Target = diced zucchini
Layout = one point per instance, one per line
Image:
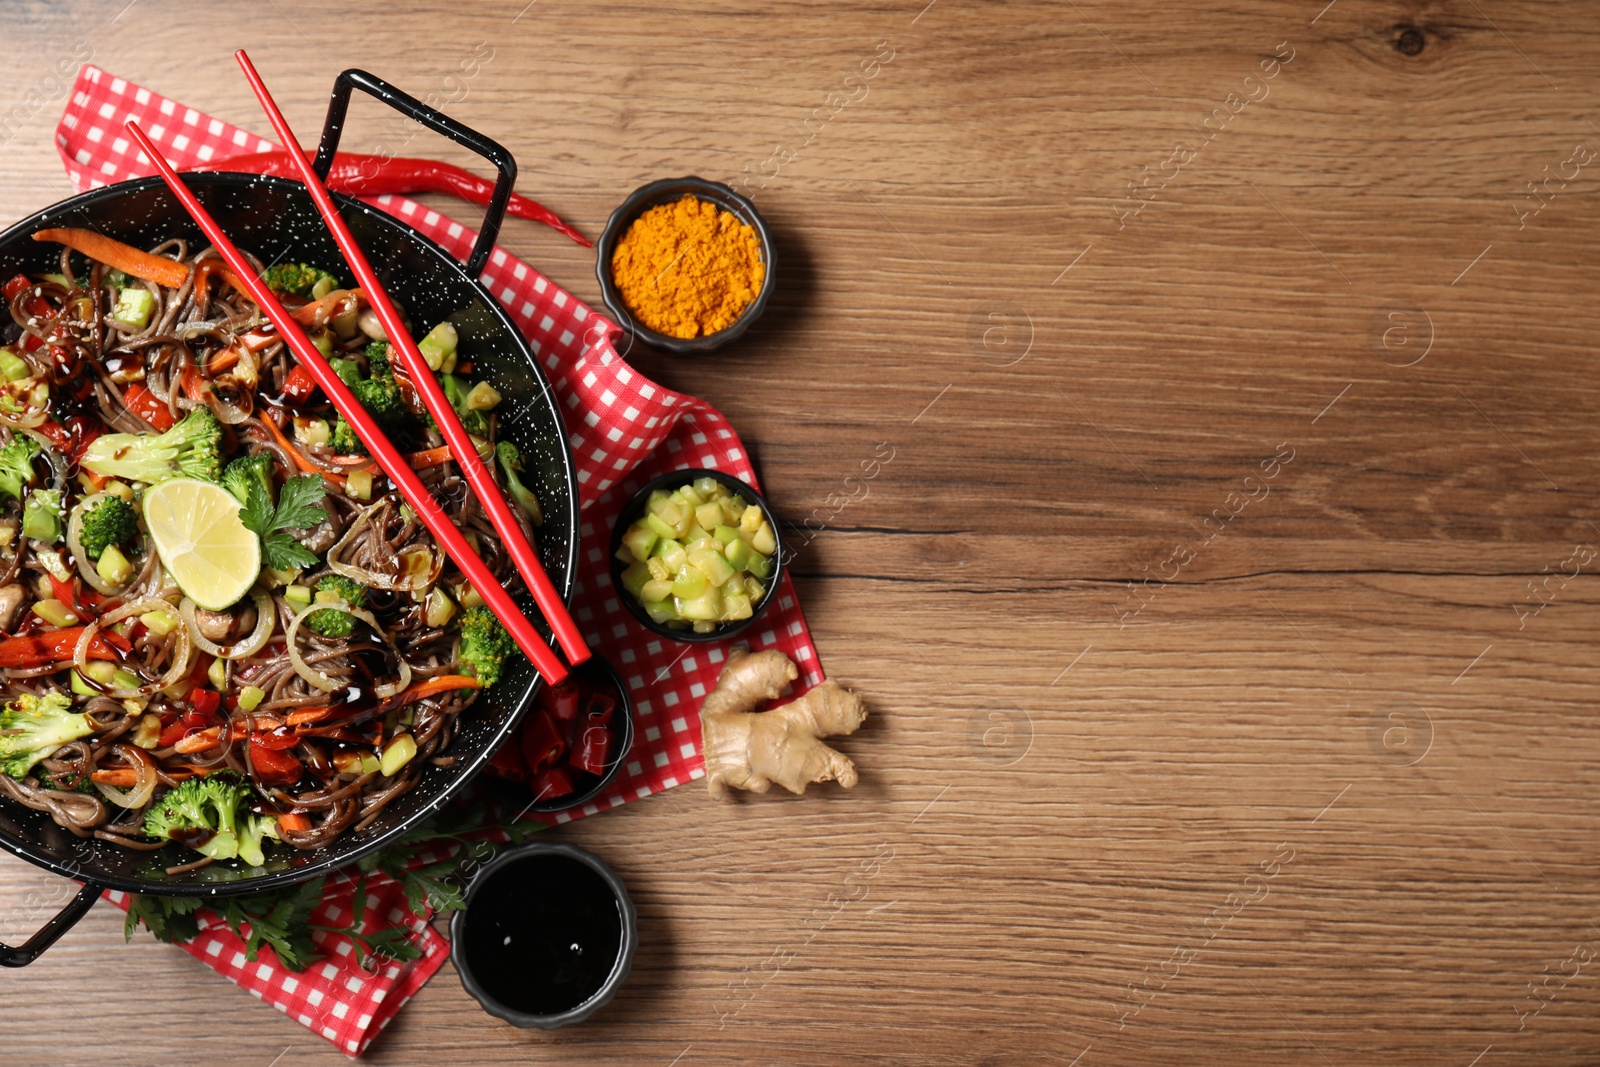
(640, 540)
(217, 674)
(113, 566)
(250, 696)
(732, 510)
(754, 589)
(634, 577)
(55, 613)
(706, 607)
(736, 607)
(440, 342)
(750, 519)
(738, 554)
(660, 527)
(658, 568)
(160, 623)
(659, 610)
(298, 594)
(134, 307)
(687, 494)
(13, 367)
(726, 534)
(323, 342)
(690, 583)
(673, 555)
(759, 565)
(397, 753)
(709, 516)
(713, 563)
(709, 488)
(655, 589)
(764, 541)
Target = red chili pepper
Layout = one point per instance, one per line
(172, 733)
(599, 709)
(270, 765)
(37, 650)
(15, 285)
(299, 385)
(593, 750)
(145, 404)
(507, 764)
(366, 175)
(560, 702)
(542, 744)
(36, 306)
(552, 783)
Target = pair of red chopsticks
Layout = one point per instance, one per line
(389, 458)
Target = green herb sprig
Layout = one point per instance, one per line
(299, 507)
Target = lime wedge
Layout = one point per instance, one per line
(201, 540)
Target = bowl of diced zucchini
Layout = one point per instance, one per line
(696, 555)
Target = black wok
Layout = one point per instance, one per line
(276, 220)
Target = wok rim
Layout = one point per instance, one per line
(345, 851)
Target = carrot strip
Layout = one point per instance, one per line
(126, 258)
(128, 777)
(429, 457)
(294, 820)
(300, 460)
(301, 716)
(431, 686)
(199, 742)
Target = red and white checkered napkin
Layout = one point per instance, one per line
(624, 430)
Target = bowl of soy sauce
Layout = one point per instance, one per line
(547, 935)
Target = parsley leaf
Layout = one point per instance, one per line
(282, 552)
(300, 503)
(299, 507)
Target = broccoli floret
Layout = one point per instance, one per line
(485, 645)
(378, 360)
(188, 450)
(211, 803)
(252, 828)
(344, 440)
(248, 471)
(41, 516)
(511, 466)
(110, 522)
(456, 390)
(297, 278)
(32, 727)
(16, 466)
(337, 623)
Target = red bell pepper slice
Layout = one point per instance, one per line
(203, 704)
(551, 784)
(271, 765)
(299, 385)
(55, 646)
(145, 404)
(592, 753)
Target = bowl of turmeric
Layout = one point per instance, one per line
(686, 264)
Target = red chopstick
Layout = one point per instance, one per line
(389, 458)
(466, 455)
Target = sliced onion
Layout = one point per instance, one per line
(144, 786)
(327, 684)
(266, 613)
(180, 661)
(371, 578)
(52, 454)
(23, 421)
(230, 411)
(86, 567)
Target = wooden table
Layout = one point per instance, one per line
(1226, 609)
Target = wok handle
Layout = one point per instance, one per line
(60, 923)
(438, 122)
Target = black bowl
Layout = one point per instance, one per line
(635, 510)
(666, 191)
(595, 672)
(495, 906)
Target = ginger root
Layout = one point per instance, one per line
(750, 750)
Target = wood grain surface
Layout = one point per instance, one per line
(1227, 609)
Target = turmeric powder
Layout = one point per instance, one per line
(687, 269)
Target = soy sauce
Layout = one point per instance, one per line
(543, 934)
